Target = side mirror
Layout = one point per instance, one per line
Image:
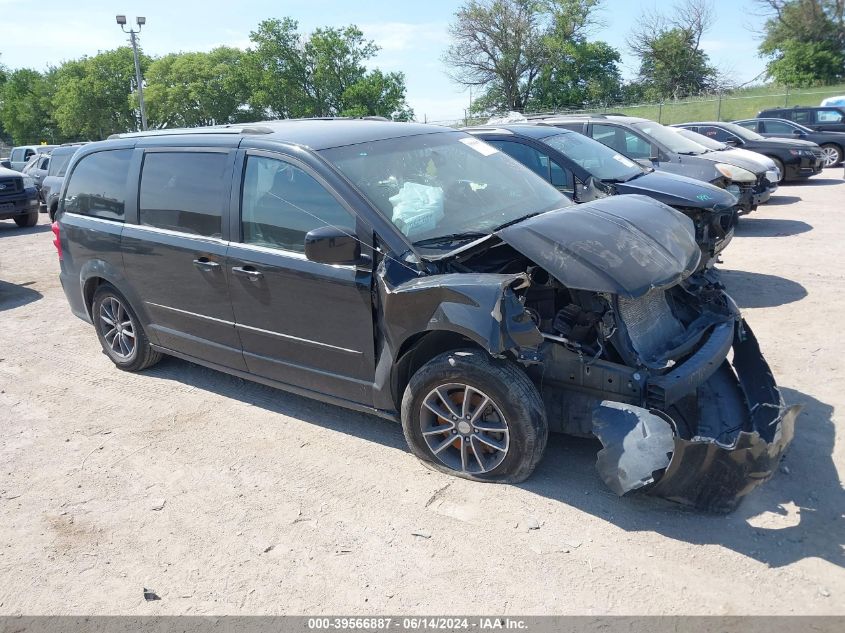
(655, 154)
(6, 163)
(330, 245)
(731, 142)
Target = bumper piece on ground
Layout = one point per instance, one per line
(739, 431)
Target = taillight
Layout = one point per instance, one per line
(57, 241)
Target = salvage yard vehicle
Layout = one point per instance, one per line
(584, 169)
(737, 155)
(18, 198)
(21, 155)
(417, 273)
(832, 143)
(655, 145)
(820, 118)
(51, 186)
(796, 159)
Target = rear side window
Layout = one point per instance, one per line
(718, 134)
(800, 116)
(97, 185)
(59, 163)
(184, 191)
(777, 127)
(828, 116)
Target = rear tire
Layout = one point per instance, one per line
(832, 155)
(120, 331)
(28, 220)
(500, 436)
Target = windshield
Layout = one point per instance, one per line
(598, 159)
(741, 132)
(445, 185)
(675, 142)
(705, 141)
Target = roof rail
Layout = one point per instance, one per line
(230, 128)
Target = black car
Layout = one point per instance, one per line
(819, 118)
(832, 143)
(796, 159)
(419, 274)
(18, 198)
(654, 145)
(584, 169)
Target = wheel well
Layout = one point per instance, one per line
(88, 290)
(417, 351)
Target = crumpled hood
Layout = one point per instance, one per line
(678, 191)
(624, 245)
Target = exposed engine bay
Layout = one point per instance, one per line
(649, 376)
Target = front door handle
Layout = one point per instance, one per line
(248, 271)
(204, 263)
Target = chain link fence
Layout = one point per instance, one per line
(725, 106)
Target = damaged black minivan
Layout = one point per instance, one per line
(418, 273)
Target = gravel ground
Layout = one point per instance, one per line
(224, 496)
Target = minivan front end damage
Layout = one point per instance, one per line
(712, 446)
(625, 341)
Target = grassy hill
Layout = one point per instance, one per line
(740, 104)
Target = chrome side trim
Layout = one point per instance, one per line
(193, 314)
(296, 338)
(256, 329)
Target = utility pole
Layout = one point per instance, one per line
(141, 21)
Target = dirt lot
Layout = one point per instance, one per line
(224, 496)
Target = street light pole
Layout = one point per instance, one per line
(121, 20)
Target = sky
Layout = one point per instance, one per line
(412, 35)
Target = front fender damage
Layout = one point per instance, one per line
(482, 307)
(742, 429)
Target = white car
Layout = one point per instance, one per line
(833, 101)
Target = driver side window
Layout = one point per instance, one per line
(280, 203)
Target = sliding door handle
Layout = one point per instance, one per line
(203, 263)
(249, 272)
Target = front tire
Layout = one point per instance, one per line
(28, 220)
(467, 414)
(779, 164)
(832, 155)
(120, 331)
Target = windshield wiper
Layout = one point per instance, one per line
(517, 220)
(451, 238)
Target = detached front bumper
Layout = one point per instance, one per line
(708, 449)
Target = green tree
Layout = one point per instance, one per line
(323, 74)
(193, 89)
(804, 41)
(583, 74)
(25, 106)
(530, 54)
(94, 98)
(672, 63)
(377, 94)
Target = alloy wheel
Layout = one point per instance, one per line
(464, 428)
(118, 329)
(831, 156)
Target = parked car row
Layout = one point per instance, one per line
(481, 287)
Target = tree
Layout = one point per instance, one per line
(804, 41)
(93, 96)
(499, 45)
(583, 74)
(672, 63)
(323, 74)
(530, 53)
(377, 94)
(193, 89)
(25, 106)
